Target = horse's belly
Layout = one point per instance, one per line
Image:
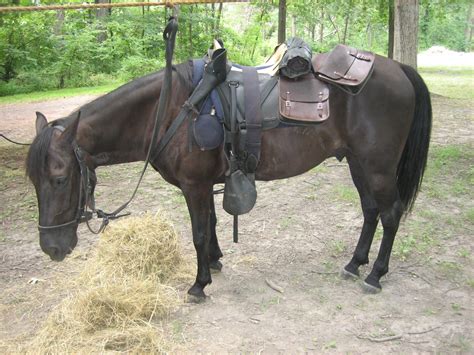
(291, 151)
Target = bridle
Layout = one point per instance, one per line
(87, 184)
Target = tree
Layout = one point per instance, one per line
(101, 15)
(282, 21)
(404, 31)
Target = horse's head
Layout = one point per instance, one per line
(55, 169)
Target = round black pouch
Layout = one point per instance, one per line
(208, 132)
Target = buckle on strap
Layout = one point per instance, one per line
(190, 107)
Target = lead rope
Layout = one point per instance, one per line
(169, 36)
(12, 141)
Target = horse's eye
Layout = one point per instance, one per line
(60, 181)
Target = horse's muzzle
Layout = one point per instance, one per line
(57, 250)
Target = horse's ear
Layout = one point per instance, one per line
(69, 133)
(41, 122)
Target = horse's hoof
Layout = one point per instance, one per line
(195, 299)
(369, 289)
(196, 294)
(347, 275)
(215, 266)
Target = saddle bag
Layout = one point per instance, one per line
(304, 100)
(297, 59)
(347, 67)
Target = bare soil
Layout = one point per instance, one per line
(298, 237)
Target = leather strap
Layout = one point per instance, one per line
(253, 116)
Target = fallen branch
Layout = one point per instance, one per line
(381, 340)
(274, 286)
(424, 331)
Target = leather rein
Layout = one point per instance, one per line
(88, 177)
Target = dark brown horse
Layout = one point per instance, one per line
(383, 133)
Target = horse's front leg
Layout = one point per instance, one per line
(198, 198)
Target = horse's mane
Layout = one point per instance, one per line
(184, 73)
(37, 155)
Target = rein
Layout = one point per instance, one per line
(88, 177)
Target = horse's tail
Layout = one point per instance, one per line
(412, 164)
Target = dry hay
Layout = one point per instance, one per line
(126, 289)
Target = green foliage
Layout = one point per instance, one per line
(48, 50)
(445, 22)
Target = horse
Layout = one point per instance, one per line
(383, 132)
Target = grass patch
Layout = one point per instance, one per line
(56, 94)
(442, 157)
(455, 83)
(346, 193)
(469, 215)
(449, 172)
(420, 239)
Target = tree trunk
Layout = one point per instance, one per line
(58, 25)
(100, 15)
(346, 22)
(390, 29)
(293, 26)
(282, 21)
(405, 34)
(368, 32)
(321, 26)
(469, 28)
(190, 29)
(218, 21)
(256, 37)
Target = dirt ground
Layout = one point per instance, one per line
(298, 236)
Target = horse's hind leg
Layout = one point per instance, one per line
(198, 198)
(371, 219)
(215, 252)
(385, 192)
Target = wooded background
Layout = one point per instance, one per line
(57, 49)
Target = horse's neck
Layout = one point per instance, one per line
(117, 133)
(118, 127)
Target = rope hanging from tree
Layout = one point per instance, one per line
(101, 6)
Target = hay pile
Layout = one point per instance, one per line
(124, 291)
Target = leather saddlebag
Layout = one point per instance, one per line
(304, 100)
(345, 66)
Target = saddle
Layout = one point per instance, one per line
(251, 99)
